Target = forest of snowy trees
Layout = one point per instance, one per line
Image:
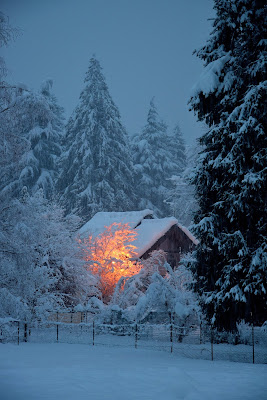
(56, 174)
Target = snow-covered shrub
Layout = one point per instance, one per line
(129, 290)
(156, 292)
(40, 265)
(8, 330)
(244, 332)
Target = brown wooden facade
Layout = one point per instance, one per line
(175, 242)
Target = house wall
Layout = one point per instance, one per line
(175, 242)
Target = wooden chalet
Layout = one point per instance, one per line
(152, 233)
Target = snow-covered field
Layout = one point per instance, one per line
(78, 372)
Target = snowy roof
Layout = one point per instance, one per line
(150, 231)
(100, 220)
(188, 234)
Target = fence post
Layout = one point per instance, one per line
(18, 332)
(136, 333)
(211, 341)
(171, 335)
(93, 333)
(25, 332)
(253, 345)
(171, 339)
(57, 326)
(81, 320)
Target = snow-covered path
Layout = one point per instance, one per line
(79, 372)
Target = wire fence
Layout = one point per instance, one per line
(199, 342)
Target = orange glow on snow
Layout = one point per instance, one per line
(109, 256)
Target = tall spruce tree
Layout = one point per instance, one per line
(178, 191)
(177, 149)
(231, 187)
(154, 164)
(46, 138)
(31, 126)
(182, 196)
(35, 120)
(12, 146)
(97, 172)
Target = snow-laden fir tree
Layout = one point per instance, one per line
(35, 120)
(178, 149)
(7, 33)
(182, 199)
(43, 126)
(154, 164)
(97, 172)
(180, 193)
(12, 145)
(231, 187)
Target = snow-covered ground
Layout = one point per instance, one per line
(78, 372)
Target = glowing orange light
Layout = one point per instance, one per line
(110, 256)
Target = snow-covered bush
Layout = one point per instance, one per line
(244, 331)
(40, 265)
(156, 292)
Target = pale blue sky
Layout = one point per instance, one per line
(144, 46)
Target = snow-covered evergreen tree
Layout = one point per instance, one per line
(231, 187)
(178, 149)
(182, 199)
(12, 145)
(42, 124)
(36, 121)
(153, 163)
(97, 172)
(7, 33)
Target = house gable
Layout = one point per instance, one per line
(174, 243)
(150, 231)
